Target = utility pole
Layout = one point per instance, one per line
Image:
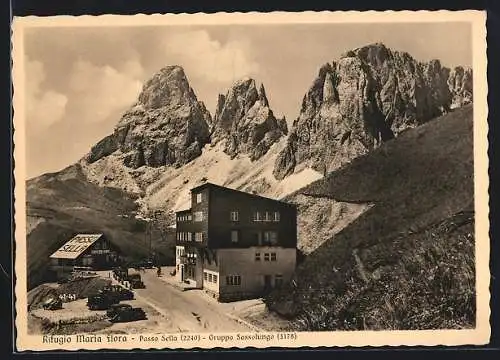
(150, 242)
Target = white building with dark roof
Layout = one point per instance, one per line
(86, 250)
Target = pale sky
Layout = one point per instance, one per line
(80, 80)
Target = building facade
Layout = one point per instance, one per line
(84, 250)
(235, 245)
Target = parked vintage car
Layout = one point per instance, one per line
(118, 292)
(136, 281)
(147, 264)
(52, 304)
(126, 314)
(101, 301)
(115, 308)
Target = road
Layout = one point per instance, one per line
(188, 311)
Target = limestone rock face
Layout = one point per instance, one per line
(460, 84)
(244, 121)
(368, 96)
(167, 125)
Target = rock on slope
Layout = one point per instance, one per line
(244, 121)
(368, 96)
(167, 125)
(407, 262)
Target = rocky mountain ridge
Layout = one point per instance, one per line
(169, 126)
(244, 120)
(158, 150)
(370, 95)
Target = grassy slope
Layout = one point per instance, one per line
(69, 204)
(405, 263)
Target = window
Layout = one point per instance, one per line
(190, 236)
(198, 216)
(257, 256)
(199, 198)
(209, 277)
(271, 237)
(234, 216)
(273, 256)
(259, 238)
(266, 257)
(278, 280)
(234, 236)
(268, 216)
(189, 217)
(276, 216)
(257, 216)
(233, 280)
(198, 236)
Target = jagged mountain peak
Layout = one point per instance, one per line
(262, 95)
(169, 87)
(244, 121)
(166, 126)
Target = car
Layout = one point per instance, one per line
(115, 308)
(118, 292)
(143, 264)
(136, 281)
(52, 304)
(101, 301)
(126, 314)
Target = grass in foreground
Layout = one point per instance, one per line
(405, 263)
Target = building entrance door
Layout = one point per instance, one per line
(267, 283)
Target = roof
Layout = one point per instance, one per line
(76, 246)
(207, 184)
(183, 211)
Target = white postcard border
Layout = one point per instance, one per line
(479, 335)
